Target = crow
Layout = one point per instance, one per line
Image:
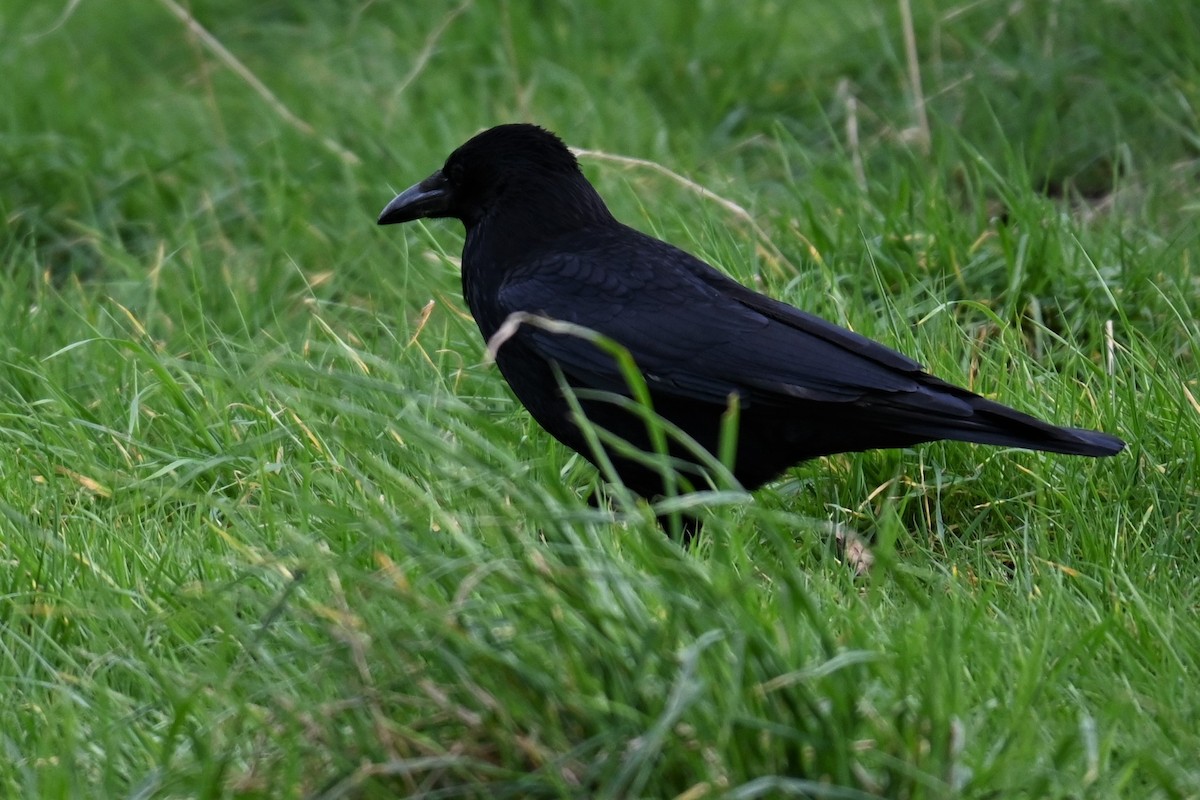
(540, 242)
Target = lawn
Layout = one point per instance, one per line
(271, 525)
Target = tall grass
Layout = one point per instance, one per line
(273, 526)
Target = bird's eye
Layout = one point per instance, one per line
(455, 174)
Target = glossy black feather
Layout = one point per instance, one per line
(540, 240)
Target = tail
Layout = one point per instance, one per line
(981, 421)
(998, 424)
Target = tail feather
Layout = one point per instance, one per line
(990, 422)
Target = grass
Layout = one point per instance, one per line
(272, 526)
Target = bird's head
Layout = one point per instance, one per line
(508, 166)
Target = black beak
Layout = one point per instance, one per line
(429, 198)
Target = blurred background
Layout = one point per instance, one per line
(292, 122)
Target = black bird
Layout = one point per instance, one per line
(540, 240)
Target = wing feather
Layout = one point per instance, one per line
(716, 337)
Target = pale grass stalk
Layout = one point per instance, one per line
(914, 74)
(704, 192)
(242, 71)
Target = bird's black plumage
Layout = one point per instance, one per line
(540, 240)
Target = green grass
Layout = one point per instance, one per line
(270, 525)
